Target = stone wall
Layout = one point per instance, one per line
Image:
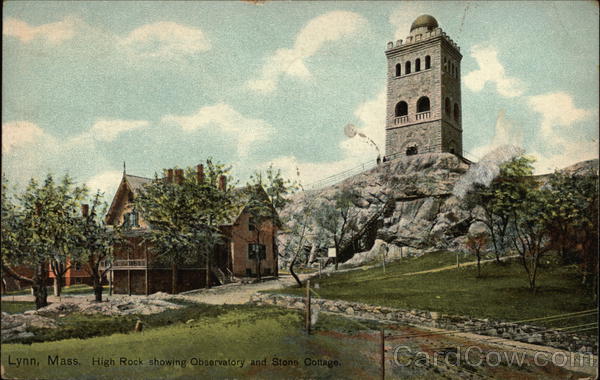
(508, 330)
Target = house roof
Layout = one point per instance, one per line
(136, 183)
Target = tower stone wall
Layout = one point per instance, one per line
(434, 73)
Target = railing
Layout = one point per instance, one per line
(120, 264)
(341, 175)
(401, 119)
(423, 115)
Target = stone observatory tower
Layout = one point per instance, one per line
(423, 92)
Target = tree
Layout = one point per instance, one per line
(61, 205)
(185, 215)
(267, 196)
(337, 217)
(497, 202)
(298, 228)
(38, 231)
(527, 206)
(96, 243)
(573, 222)
(476, 244)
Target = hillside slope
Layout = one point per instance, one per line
(407, 202)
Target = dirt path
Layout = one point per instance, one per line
(238, 293)
(467, 264)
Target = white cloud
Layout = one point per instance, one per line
(325, 28)
(371, 116)
(560, 143)
(245, 130)
(557, 110)
(107, 182)
(404, 15)
(108, 130)
(355, 151)
(54, 33)
(165, 40)
(505, 133)
(491, 70)
(19, 134)
(572, 152)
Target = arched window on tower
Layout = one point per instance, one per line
(427, 62)
(447, 106)
(398, 69)
(401, 109)
(423, 104)
(417, 64)
(456, 112)
(407, 68)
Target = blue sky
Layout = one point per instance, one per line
(88, 85)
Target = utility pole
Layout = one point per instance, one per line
(382, 354)
(308, 307)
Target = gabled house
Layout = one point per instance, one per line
(137, 269)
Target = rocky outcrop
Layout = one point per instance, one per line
(16, 326)
(115, 306)
(409, 202)
(406, 202)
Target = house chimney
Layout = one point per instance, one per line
(222, 182)
(179, 176)
(200, 173)
(85, 210)
(169, 175)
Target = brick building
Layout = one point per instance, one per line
(76, 273)
(423, 110)
(137, 270)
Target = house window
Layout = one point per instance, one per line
(257, 250)
(251, 224)
(447, 106)
(130, 219)
(417, 64)
(427, 62)
(398, 69)
(407, 68)
(401, 109)
(411, 151)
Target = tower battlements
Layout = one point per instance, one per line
(438, 32)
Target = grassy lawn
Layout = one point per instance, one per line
(17, 307)
(83, 326)
(501, 293)
(237, 333)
